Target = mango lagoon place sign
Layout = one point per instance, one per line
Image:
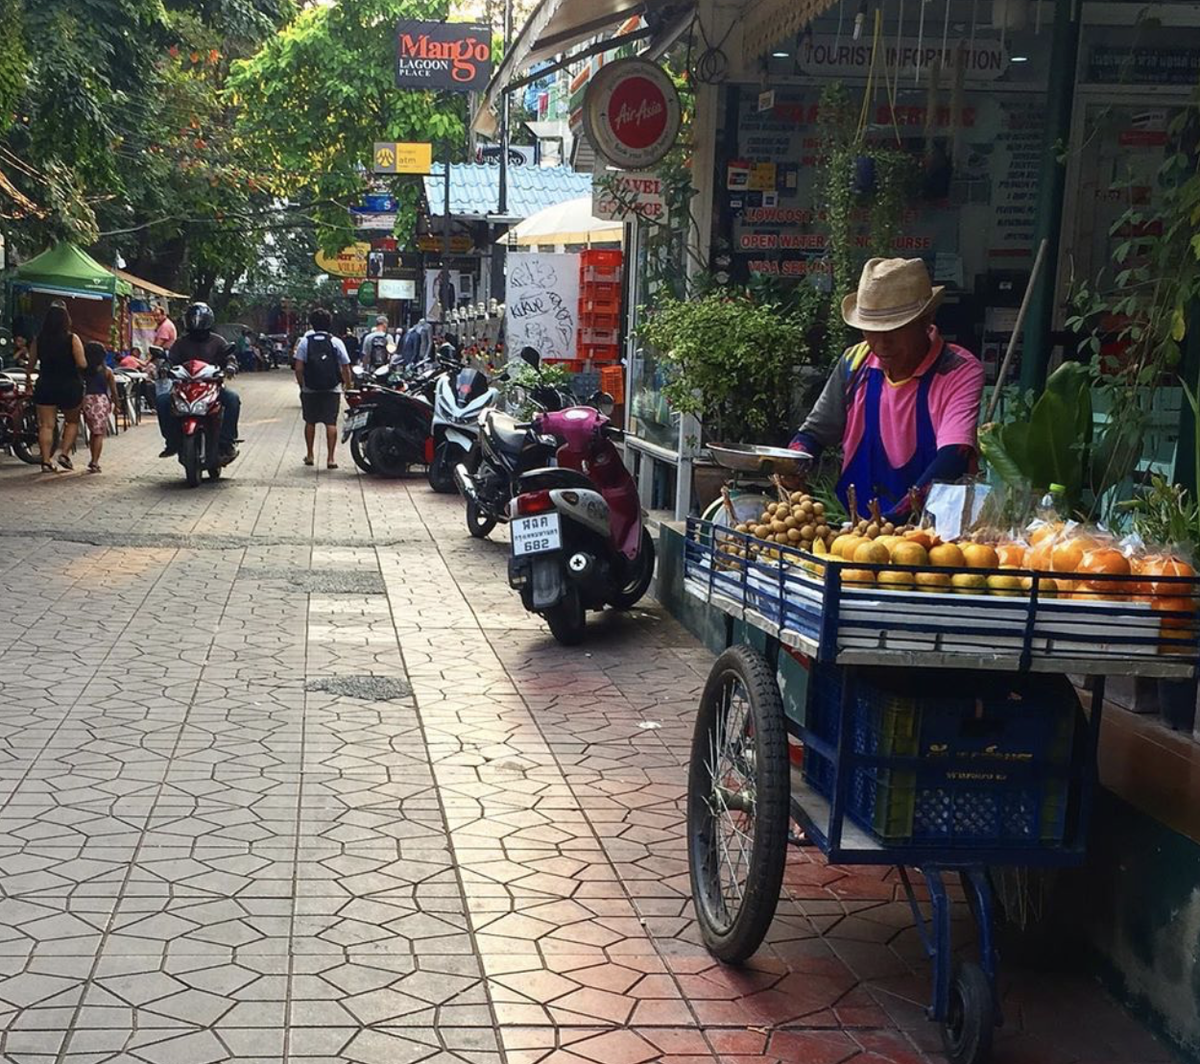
(454, 56)
(631, 114)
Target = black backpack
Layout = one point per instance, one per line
(322, 370)
(375, 348)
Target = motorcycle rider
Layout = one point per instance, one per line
(199, 343)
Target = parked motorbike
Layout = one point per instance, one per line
(488, 479)
(578, 541)
(506, 448)
(196, 389)
(460, 400)
(18, 420)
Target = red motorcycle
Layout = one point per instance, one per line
(196, 389)
(18, 421)
(578, 540)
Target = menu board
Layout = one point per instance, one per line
(543, 303)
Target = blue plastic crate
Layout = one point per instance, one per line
(991, 756)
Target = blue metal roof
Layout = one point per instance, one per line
(475, 189)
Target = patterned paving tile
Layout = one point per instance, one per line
(287, 775)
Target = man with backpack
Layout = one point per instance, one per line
(322, 368)
(377, 345)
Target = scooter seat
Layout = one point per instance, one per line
(510, 438)
(553, 478)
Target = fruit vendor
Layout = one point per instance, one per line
(904, 403)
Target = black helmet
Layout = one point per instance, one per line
(198, 318)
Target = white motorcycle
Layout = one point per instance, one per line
(459, 404)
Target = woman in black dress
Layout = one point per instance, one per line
(57, 358)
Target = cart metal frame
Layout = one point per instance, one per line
(824, 821)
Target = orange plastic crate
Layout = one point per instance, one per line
(610, 307)
(600, 352)
(612, 380)
(605, 337)
(593, 320)
(600, 291)
(589, 275)
(602, 257)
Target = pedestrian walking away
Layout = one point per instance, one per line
(377, 346)
(99, 400)
(322, 367)
(57, 358)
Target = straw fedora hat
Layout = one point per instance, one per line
(891, 293)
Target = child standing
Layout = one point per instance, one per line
(99, 399)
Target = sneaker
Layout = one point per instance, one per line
(167, 452)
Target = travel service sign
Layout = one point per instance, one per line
(631, 114)
(456, 56)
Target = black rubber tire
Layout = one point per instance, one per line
(968, 1028)
(440, 472)
(21, 449)
(734, 937)
(386, 457)
(358, 454)
(479, 524)
(189, 455)
(643, 574)
(568, 620)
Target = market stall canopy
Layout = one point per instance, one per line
(149, 287)
(475, 190)
(69, 271)
(565, 223)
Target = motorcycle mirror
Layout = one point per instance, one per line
(603, 402)
(531, 357)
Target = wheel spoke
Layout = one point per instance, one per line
(729, 771)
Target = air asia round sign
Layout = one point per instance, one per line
(631, 114)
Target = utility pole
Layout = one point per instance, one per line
(498, 251)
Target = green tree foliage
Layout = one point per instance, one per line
(315, 98)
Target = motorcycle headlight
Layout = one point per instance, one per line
(184, 406)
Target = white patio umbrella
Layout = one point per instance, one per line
(570, 222)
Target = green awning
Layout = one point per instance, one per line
(66, 269)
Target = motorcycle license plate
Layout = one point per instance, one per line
(536, 535)
(355, 421)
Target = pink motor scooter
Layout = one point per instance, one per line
(578, 540)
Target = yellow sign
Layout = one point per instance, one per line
(349, 262)
(392, 157)
(459, 245)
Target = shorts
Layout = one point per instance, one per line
(96, 409)
(320, 408)
(66, 395)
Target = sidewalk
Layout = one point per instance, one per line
(288, 775)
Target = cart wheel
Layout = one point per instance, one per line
(738, 804)
(971, 1019)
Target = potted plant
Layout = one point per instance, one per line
(733, 361)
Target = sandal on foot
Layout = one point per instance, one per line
(65, 461)
(48, 467)
(331, 465)
(308, 461)
(93, 467)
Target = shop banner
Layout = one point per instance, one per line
(831, 57)
(631, 114)
(455, 56)
(624, 197)
(143, 325)
(349, 262)
(542, 310)
(389, 288)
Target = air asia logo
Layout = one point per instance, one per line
(443, 55)
(631, 113)
(637, 112)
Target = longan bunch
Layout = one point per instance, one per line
(797, 521)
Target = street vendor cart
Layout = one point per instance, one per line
(938, 731)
